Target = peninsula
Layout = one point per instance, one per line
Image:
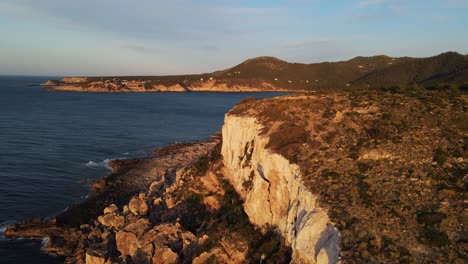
(269, 74)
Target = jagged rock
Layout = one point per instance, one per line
(163, 235)
(111, 209)
(144, 254)
(127, 243)
(138, 206)
(165, 255)
(131, 218)
(94, 257)
(112, 220)
(138, 228)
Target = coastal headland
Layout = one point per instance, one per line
(332, 176)
(269, 74)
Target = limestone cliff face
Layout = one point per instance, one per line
(274, 193)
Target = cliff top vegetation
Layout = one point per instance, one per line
(390, 166)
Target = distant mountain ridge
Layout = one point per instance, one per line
(272, 74)
(381, 70)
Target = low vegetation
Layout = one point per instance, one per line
(389, 165)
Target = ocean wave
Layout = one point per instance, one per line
(104, 163)
(45, 242)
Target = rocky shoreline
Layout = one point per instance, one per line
(170, 207)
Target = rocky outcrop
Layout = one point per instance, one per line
(171, 207)
(274, 193)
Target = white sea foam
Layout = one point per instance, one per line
(45, 242)
(104, 163)
(4, 225)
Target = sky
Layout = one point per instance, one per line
(152, 37)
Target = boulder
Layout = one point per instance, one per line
(138, 206)
(111, 209)
(139, 227)
(127, 243)
(144, 254)
(93, 257)
(112, 220)
(165, 255)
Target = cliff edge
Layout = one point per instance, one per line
(384, 173)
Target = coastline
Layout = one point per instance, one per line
(231, 85)
(172, 206)
(214, 89)
(269, 174)
(128, 177)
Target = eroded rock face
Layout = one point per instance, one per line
(274, 193)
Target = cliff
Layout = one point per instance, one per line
(388, 170)
(274, 193)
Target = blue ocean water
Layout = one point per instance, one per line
(53, 144)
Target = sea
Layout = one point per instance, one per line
(54, 144)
